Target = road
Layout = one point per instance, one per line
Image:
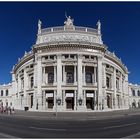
(28, 127)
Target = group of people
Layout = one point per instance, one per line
(7, 110)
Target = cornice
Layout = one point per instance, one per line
(69, 45)
(116, 61)
(23, 60)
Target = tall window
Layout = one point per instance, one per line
(117, 83)
(108, 81)
(7, 92)
(22, 83)
(32, 82)
(88, 78)
(70, 77)
(50, 77)
(133, 92)
(138, 93)
(1, 92)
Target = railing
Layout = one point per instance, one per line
(114, 56)
(74, 28)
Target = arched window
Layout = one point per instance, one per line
(70, 77)
(1, 92)
(50, 77)
(138, 93)
(88, 78)
(7, 92)
(133, 92)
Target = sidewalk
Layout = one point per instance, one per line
(76, 115)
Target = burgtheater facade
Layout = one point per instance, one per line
(70, 69)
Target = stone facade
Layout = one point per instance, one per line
(70, 69)
(5, 95)
(134, 96)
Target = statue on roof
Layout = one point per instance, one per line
(39, 26)
(99, 26)
(69, 21)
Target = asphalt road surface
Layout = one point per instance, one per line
(28, 127)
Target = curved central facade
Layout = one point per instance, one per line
(70, 69)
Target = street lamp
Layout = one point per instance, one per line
(58, 102)
(80, 101)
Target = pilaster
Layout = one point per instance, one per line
(59, 80)
(114, 101)
(39, 82)
(100, 92)
(104, 88)
(75, 74)
(84, 75)
(25, 88)
(80, 93)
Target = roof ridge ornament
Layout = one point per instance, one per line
(99, 27)
(69, 21)
(39, 26)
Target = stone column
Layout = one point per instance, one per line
(95, 100)
(93, 82)
(84, 75)
(39, 82)
(64, 102)
(115, 105)
(84, 100)
(26, 81)
(104, 88)
(14, 90)
(126, 91)
(55, 72)
(75, 100)
(44, 100)
(35, 84)
(95, 71)
(46, 78)
(121, 97)
(55, 97)
(64, 75)
(19, 83)
(75, 74)
(59, 80)
(99, 104)
(43, 75)
(79, 82)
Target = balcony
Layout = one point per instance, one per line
(62, 28)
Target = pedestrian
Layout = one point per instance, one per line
(13, 110)
(2, 109)
(10, 110)
(6, 109)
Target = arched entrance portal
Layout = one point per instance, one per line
(109, 102)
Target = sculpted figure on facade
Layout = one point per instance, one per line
(69, 21)
(39, 26)
(99, 26)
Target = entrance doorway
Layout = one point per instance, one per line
(109, 103)
(31, 101)
(50, 102)
(70, 103)
(90, 102)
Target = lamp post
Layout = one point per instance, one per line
(58, 102)
(80, 101)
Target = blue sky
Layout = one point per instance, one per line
(120, 29)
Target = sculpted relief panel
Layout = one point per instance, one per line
(69, 38)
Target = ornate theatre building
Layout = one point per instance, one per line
(69, 68)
